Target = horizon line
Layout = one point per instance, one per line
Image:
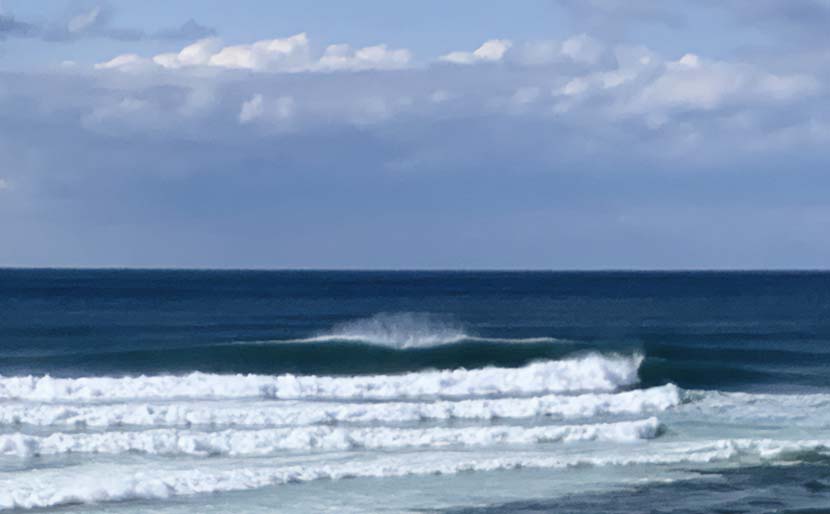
(420, 270)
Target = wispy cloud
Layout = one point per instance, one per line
(95, 22)
(12, 27)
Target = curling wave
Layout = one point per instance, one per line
(589, 373)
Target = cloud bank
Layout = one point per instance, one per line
(576, 152)
(290, 54)
(706, 108)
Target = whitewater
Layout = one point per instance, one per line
(590, 373)
(486, 406)
(583, 411)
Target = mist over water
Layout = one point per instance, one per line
(398, 330)
(537, 392)
(406, 331)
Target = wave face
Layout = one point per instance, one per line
(383, 343)
(166, 391)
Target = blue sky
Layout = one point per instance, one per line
(557, 134)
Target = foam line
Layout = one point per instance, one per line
(110, 483)
(316, 438)
(298, 413)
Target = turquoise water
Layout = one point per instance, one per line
(230, 391)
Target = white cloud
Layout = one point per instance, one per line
(286, 54)
(281, 54)
(582, 48)
(688, 83)
(4, 185)
(291, 54)
(369, 110)
(440, 96)
(196, 54)
(199, 100)
(83, 21)
(525, 95)
(642, 84)
(575, 86)
(128, 114)
(251, 109)
(124, 62)
(787, 87)
(589, 86)
(519, 102)
(539, 52)
(379, 57)
(491, 51)
(632, 63)
(260, 108)
(695, 83)
(284, 107)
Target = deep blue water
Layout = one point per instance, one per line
(700, 329)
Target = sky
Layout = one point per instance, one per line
(543, 134)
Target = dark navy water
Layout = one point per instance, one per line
(739, 346)
(701, 329)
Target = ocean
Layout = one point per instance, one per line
(126, 391)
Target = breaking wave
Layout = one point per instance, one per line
(406, 331)
(52, 488)
(268, 414)
(588, 373)
(319, 438)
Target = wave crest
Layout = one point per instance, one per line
(588, 373)
(405, 331)
(397, 330)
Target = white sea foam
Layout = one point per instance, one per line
(316, 438)
(296, 413)
(405, 331)
(48, 488)
(398, 330)
(415, 342)
(750, 408)
(591, 372)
